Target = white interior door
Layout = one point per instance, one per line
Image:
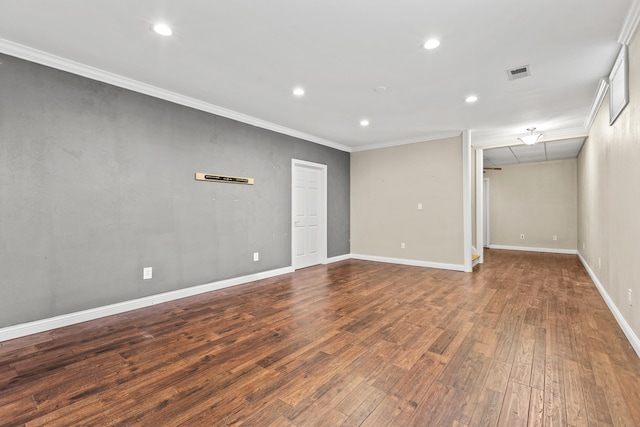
(309, 214)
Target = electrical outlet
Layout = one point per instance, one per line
(402, 246)
(584, 246)
(147, 273)
(522, 237)
(630, 297)
(256, 256)
(599, 263)
(419, 206)
(555, 237)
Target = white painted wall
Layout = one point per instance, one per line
(386, 186)
(609, 202)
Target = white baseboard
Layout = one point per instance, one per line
(442, 266)
(626, 328)
(37, 326)
(338, 258)
(528, 249)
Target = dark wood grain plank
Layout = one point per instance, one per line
(524, 339)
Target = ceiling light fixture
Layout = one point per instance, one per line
(531, 138)
(364, 122)
(298, 91)
(431, 44)
(470, 99)
(163, 29)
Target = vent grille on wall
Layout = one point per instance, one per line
(519, 72)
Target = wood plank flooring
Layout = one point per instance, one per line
(525, 340)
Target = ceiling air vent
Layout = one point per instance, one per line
(519, 72)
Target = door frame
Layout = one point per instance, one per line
(486, 186)
(322, 211)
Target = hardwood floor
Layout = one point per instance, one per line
(524, 340)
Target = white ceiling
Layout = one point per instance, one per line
(242, 58)
(540, 152)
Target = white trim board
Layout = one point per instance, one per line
(630, 23)
(624, 325)
(527, 249)
(338, 258)
(43, 325)
(467, 225)
(629, 27)
(415, 263)
(34, 55)
(479, 192)
(603, 86)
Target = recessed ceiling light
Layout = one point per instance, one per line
(431, 44)
(163, 29)
(298, 91)
(364, 122)
(470, 99)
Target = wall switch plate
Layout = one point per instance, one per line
(256, 256)
(147, 273)
(419, 206)
(402, 245)
(555, 237)
(522, 237)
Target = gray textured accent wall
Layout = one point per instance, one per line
(97, 182)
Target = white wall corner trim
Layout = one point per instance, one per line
(34, 55)
(626, 328)
(630, 23)
(479, 205)
(528, 249)
(43, 325)
(338, 258)
(466, 201)
(412, 262)
(603, 86)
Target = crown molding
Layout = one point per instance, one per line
(630, 23)
(34, 55)
(601, 92)
(425, 138)
(629, 28)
